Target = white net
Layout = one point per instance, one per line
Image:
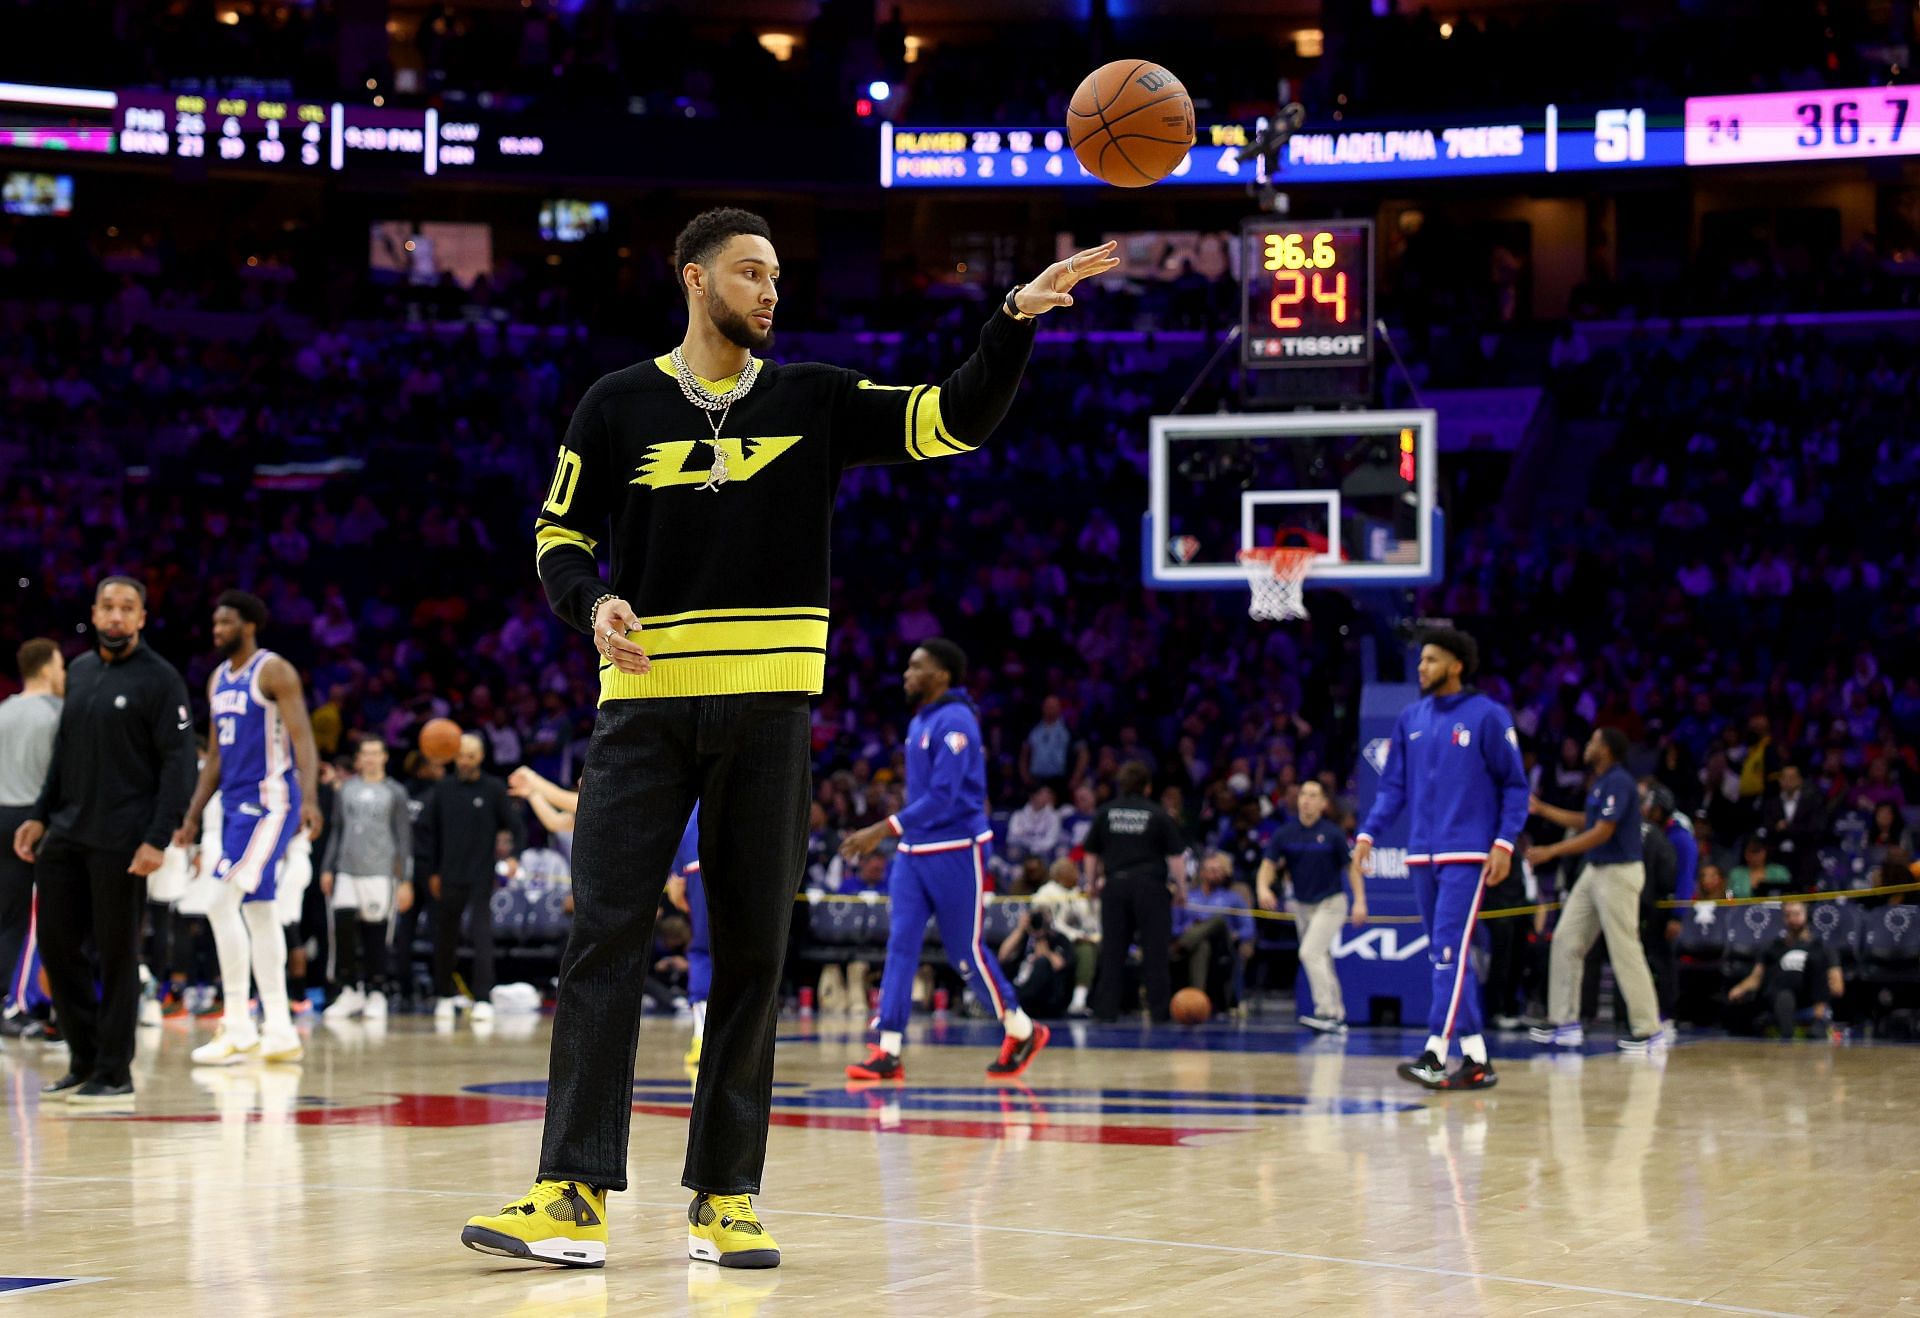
(1277, 577)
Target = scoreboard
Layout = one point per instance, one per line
(1306, 293)
(1039, 157)
(237, 130)
(291, 136)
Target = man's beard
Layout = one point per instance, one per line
(1430, 688)
(114, 644)
(229, 648)
(736, 328)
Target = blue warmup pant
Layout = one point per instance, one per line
(949, 885)
(699, 958)
(1449, 898)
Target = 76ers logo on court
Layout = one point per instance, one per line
(956, 742)
(1461, 736)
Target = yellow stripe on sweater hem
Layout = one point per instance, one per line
(715, 615)
(722, 675)
(734, 634)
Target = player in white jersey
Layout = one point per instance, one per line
(263, 762)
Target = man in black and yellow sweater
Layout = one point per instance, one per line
(712, 476)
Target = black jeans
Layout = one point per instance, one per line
(476, 900)
(746, 759)
(1135, 907)
(86, 892)
(16, 896)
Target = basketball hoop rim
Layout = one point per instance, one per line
(1283, 560)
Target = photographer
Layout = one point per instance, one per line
(1039, 960)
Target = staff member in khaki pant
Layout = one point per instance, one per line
(1607, 899)
(1313, 851)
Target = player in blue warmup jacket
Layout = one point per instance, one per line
(1455, 766)
(941, 867)
(686, 868)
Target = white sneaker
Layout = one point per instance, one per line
(150, 1011)
(227, 1048)
(444, 1010)
(282, 1045)
(349, 1004)
(1570, 1035)
(482, 1013)
(376, 1006)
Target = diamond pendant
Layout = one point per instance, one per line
(717, 473)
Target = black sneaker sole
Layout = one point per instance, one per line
(504, 1246)
(1487, 1083)
(746, 1258)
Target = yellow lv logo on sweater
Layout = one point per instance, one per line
(666, 462)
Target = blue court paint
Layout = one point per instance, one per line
(993, 1099)
(22, 1285)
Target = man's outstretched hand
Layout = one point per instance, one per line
(1053, 287)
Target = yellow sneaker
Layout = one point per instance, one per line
(721, 1228)
(561, 1222)
(693, 1052)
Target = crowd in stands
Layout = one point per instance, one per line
(1736, 590)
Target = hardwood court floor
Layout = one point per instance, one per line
(1142, 1172)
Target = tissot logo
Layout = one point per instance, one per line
(1380, 945)
(674, 462)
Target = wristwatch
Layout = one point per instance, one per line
(1010, 307)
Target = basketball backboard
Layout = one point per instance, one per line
(1356, 486)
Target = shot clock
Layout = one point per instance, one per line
(1307, 293)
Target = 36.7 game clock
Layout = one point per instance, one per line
(1308, 293)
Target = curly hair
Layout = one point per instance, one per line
(709, 231)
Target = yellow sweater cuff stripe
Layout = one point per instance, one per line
(927, 434)
(549, 535)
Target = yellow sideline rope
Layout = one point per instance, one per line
(875, 898)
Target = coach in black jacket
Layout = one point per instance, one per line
(466, 812)
(121, 777)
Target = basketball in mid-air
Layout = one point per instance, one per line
(1130, 123)
(1191, 1006)
(440, 739)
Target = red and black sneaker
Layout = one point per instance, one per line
(1015, 1054)
(1469, 1075)
(880, 1065)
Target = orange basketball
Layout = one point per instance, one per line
(440, 739)
(1191, 1006)
(1130, 123)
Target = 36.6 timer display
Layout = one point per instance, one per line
(1308, 293)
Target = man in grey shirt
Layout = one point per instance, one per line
(364, 875)
(28, 722)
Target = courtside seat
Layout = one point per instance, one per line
(1838, 926)
(1890, 945)
(998, 921)
(1751, 930)
(1703, 933)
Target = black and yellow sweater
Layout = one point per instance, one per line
(732, 585)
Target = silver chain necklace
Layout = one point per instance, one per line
(710, 403)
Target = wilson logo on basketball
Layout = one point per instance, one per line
(1154, 79)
